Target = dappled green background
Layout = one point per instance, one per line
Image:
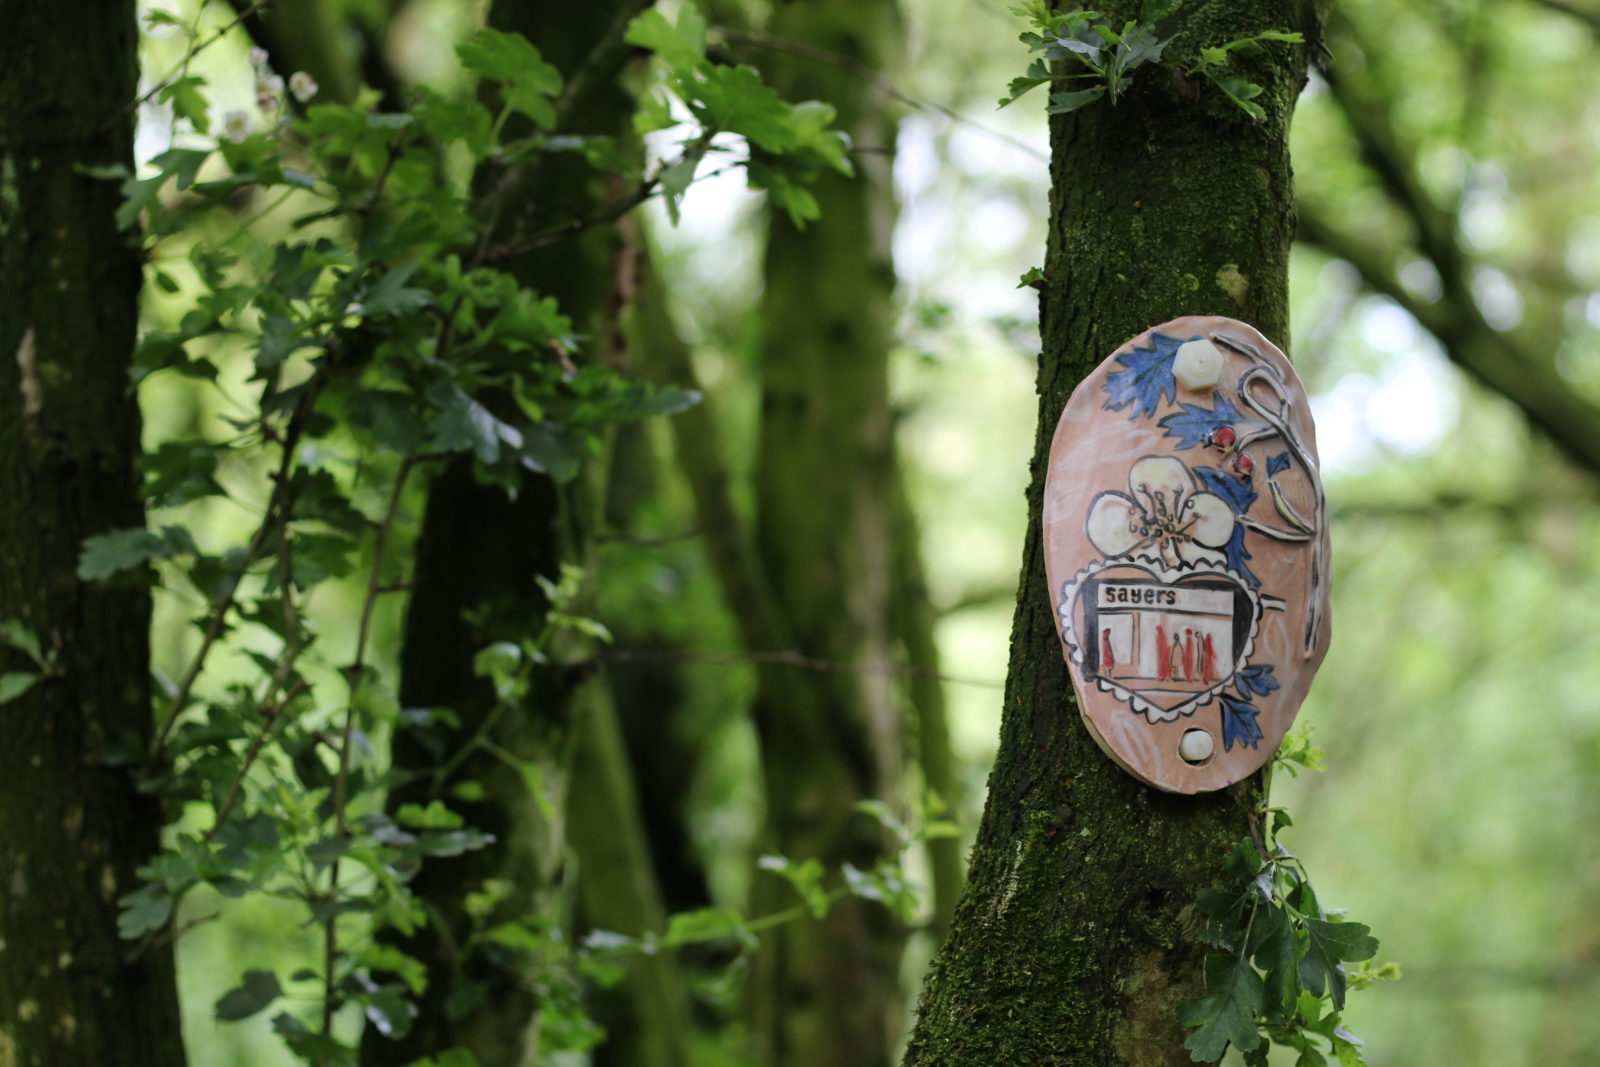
(1460, 702)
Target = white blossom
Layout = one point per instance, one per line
(236, 125)
(302, 85)
(258, 57)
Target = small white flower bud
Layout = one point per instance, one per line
(302, 85)
(258, 57)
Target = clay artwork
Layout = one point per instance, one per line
(1187, 551)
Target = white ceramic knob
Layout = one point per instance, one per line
(1197, 365)
(1196, 746)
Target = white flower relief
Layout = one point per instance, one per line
(1164, 517)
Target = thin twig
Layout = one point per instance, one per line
(177, 71)
(269, 719)
(224, 602)
(588, 69)
(170, 933)
(645, 190)
(786, 657)
(879, 82)
(355, 677)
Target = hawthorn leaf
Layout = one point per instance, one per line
(143, 910)
(15, 683)
(1226, 1015)
(681, 47)
(1327, 944)
(1066, 102)
(736, 100)
(258, 989)
(120, 550)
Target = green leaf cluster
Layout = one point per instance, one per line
(1215, 61)
(1098, 54)
(16, 635)
(1278, 975)
(1092, 59)
(786, 145)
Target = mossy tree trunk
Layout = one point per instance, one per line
(72, 828)
(1075, 940)
(830, 994)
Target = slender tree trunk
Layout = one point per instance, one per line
(72, 828)
(1075, 941)
(639, 758)
(915, 623)
(647, 1017)
(830, 994)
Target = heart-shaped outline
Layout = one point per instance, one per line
(1154, 713)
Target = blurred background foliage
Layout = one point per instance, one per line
(1447, 323)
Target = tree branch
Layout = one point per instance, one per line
(1497, 360)
(1502, 361)
(1590, 19)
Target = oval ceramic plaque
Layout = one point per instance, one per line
(1186, 546)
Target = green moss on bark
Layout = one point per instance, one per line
(1075, 941)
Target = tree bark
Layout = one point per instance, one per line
(72, 828)
(1075, 940)
(825, 533)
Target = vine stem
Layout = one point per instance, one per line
(341, 786)
(645, 190)
(276, 506)
(268, 720)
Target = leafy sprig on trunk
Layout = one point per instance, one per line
(1278, 975)
(1094, 58)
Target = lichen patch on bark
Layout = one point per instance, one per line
(1232, 282)
(28, 365)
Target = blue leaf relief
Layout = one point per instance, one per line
(1238, 495)
(1239, 722)
(1257, 680)
(1277, 463)
(1237, 492)
(1147, 379)
(1194, 423)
